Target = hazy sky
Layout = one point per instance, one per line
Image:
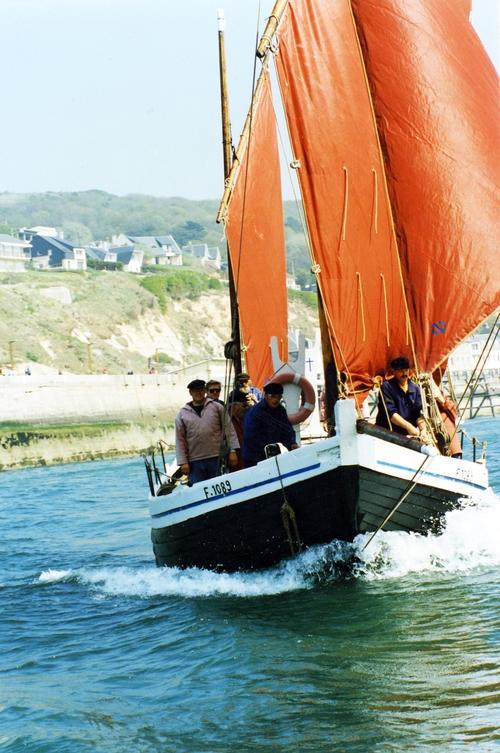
(123, 95)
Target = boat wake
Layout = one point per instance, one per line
(467, 542)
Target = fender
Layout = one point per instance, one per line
(307, 390)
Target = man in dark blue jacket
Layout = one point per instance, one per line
(266, 423)
(400, 403)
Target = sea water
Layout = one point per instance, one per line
(392, 647)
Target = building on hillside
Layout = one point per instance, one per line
(162, 249)
(209, 256)
(14, 253)
(291, 282)
(465, 357)
(48, 252)
(27, 233)
(105, 255)
(170, 253)
(126, 255)
(132, 258)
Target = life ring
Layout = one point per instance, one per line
(288, 377)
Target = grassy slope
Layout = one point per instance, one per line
(122, 321)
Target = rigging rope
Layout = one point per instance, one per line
(289, 518)
(360, 291)
(409, 489)
(386, 309)
(375, 200)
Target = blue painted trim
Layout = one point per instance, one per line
(428, 473)
(235, 491)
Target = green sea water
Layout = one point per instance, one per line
(392, 648)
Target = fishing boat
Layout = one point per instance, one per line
(391, 111)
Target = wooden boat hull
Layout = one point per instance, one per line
(335, 489)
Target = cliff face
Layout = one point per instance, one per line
(87, 322)
(81, 334)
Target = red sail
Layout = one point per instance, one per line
(255, 232)
(436, 97)
(334, 137)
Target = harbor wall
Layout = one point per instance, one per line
(64, 398)
(57, 418)
(38, 447)
(68, 397)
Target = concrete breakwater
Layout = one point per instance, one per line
(67, 417)
(63, 398)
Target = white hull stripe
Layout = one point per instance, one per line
(240, 490)
(460, 481)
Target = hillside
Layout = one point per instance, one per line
(85, 216)
(91, 321)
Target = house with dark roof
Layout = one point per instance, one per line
(131, 258)
(100, 253)
(162, 249)
(14, 253)
(209, 256)
(53, 252)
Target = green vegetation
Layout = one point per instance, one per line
(110, 266)
(308, 299)
(96, 215)
(61, 430)
(178, 284)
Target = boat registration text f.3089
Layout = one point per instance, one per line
(214, 490)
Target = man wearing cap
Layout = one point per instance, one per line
(200, 429)
(266, 423)
(400, 403)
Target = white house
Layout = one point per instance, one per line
(464, 358)
(209, 256)
(14, 253)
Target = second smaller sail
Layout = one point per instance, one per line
(255, 234)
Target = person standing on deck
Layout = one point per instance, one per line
(243, 383)
(200, 429)
(214, 388)
(266, 423)
(400, 402)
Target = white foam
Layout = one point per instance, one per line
(469, 541)
(53, 576)
(191, 582)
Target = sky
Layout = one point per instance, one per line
(123, 95)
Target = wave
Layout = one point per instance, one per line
(468, 542)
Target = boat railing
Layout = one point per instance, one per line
(162, 480)
(364, 426)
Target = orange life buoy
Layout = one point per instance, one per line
(288, 377)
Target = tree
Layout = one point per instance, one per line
(188, 232)
(77, 233)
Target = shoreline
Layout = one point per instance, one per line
(40, 444)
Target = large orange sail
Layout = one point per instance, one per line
(255, 233)
(436, 96)
(341, 172)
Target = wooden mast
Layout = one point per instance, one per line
(233, 348)
(271, 26)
